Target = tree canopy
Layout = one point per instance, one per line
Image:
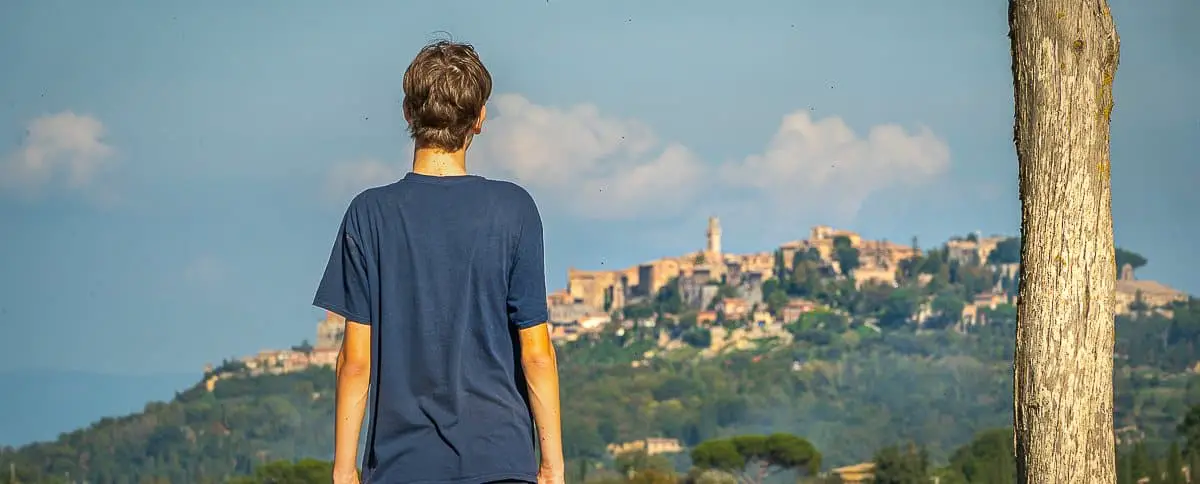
(1130, 258)
(757, 456)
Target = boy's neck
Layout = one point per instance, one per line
(433, 162)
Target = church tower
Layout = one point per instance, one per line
(329, 331)
(713, 250)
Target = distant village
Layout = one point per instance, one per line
(724, 291)
(594, 299)
(594, 302)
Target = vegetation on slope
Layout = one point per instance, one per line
(853, 392)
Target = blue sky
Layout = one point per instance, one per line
(172, 173)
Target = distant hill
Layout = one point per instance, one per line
(198, 436)
(848, 391)
(38, 405)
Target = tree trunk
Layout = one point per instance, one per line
(1064, 59)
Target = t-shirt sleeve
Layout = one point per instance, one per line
(527, 280)
(345, 288)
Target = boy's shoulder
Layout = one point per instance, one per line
(369, 198)
(502, 191)
(511, 189)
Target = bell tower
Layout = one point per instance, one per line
(713, 249)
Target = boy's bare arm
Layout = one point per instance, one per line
(540, 363)
(353, 385)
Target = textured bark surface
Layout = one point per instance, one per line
(1064, 58)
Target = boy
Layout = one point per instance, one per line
(440, 277)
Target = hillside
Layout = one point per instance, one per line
(852, 375)
(196, 437)
(849, 393)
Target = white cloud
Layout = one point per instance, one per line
(347, 179)
(63, 146)
(824, 163)
(605, 167)
(597, 166)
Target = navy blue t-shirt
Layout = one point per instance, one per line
(445, 270)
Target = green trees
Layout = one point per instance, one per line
(987, 459)
(1173, 473)
(1134, 464)
(1165, 343)
(638, 311)
(845, 254)
(669, 300)
(756, 457)
(1008, 251)
(582, 441)
(303, 347)
(651, 468)
(1189, 431)
(304, 471)
(907, 464)
(697, 337)
(947, 309)
(776, 299)
(1128, 257)
(803, 280)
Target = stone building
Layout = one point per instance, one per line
(605, 291)
(330, 331)
(733, 308)
(696, 291)
(972, 251)
(854, 474)
(651, 446)
(608, 290)
(1151, 293)
(972, 312)
(562, 311)
(795, 309)
(593, 288)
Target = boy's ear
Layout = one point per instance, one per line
(479, 122)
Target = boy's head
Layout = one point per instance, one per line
(445, 90)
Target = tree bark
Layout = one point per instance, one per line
(1064, 58)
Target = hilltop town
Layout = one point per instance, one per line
(719, 287)
(726, 291)
(855, 345)
(734, 298)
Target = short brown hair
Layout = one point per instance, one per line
(445, 88)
